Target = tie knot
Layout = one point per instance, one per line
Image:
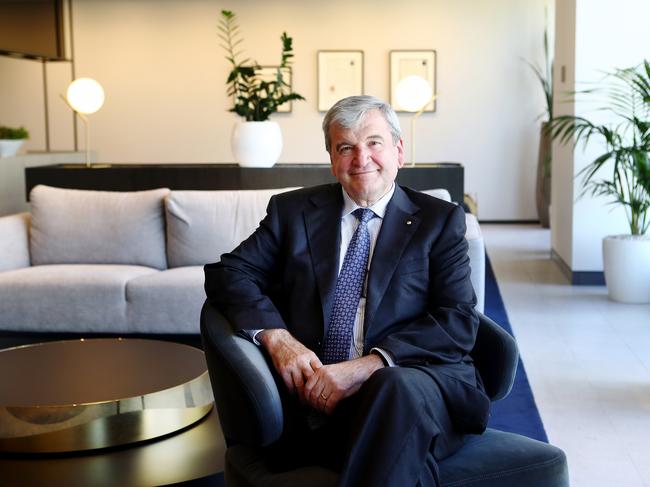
(364, 215)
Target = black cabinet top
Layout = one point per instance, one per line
(135, 177)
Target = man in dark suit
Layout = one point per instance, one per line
(360, 293)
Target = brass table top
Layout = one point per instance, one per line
(89, 394)
(196, 452)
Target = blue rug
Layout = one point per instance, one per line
(518, 412)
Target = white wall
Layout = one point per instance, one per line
(562, 171)
(163, 71)
(578, 237)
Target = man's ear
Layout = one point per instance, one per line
(400, 153)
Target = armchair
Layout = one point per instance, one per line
(250, 412)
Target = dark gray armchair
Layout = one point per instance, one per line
(250, 412)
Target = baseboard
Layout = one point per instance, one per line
(578, 278)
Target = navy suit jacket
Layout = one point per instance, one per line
(419, 302)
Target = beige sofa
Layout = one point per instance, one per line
(128, 262)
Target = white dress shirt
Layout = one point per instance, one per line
(349, 224)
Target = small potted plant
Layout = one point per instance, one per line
(257, 141)
(11, 139)
(621, 173)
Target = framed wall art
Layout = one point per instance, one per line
(269, 73)
(410, 63)
(340, 74)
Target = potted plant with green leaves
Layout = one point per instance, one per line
(543, 181)
(256, 141)
(621, 173)
(11, 139)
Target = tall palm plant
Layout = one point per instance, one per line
(622, 172)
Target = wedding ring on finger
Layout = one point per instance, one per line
(323, 396)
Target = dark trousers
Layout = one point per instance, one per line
(390, 433)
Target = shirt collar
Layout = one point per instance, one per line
(378, 207)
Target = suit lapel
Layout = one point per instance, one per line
(397, 229)
(323, 226)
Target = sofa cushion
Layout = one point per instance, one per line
(67, 298)
(202, 225)
(166, 302)
(440, 193)
(14, 241)
(476, 252)
(72, 226)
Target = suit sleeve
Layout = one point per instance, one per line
(241, 284)
(445, 331)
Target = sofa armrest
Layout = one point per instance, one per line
(14, 241)
(476, 253)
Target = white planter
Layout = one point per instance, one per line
(9, 147)
(256, 144)
(626, 260)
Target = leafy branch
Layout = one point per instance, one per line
(254, 98)
(13, 133)
(627, 143)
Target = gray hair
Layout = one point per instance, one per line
(349, 112)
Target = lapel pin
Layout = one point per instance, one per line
(408, 222)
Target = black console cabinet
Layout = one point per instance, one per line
(134, 177)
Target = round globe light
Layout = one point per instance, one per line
(412, 93)
(85, 95)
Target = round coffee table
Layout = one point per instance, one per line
(76, 395)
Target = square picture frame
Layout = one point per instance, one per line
(405, 63)
(340, 74)
(268, 73)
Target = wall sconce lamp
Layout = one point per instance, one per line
(85, 96)
(413, 94)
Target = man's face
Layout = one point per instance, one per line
(364, 159)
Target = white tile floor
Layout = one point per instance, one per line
(587, 358)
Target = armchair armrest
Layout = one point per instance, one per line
(496, 357)
(245, 392)
(14, 241)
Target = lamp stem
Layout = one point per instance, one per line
(420, 112)
(413, 141)
(87, 131)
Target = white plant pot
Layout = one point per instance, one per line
(9, 147)
(256, 144)
(626, 261)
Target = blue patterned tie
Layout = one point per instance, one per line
(348, 292)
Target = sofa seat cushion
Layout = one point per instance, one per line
(202, 225)
(67, 298)
(71, 226)
(166, 302)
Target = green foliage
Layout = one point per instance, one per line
(13, 133)
(627, 143)
(254, 98)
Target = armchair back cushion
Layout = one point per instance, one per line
(202, 225)
(71, 226)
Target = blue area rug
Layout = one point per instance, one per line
(518, 412)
